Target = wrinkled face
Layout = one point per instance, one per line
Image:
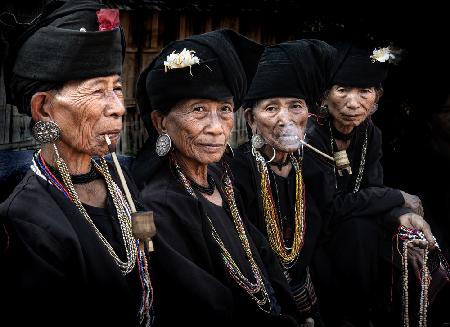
(200, 129)
(350, 106)
(87, 110)
(280, 121)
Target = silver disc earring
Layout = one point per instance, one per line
(46, 132)
(257, 141)
(163, 144)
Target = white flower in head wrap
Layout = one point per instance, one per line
(185, 58)
(382, 55)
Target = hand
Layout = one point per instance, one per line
(412, 202)
(415, 258)
(412, 220)
(309, 322)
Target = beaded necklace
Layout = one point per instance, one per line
(202, 189)
(407, 235)
(41, 169)
(257, 291)
(361, 165)
(90, 176)
(279, 165)
(287, 255)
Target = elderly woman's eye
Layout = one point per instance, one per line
(198, 109)
(118, 89)
(271, 109)
(364, 93)
(227, 109)
(297, 106)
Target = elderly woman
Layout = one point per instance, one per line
(360, 199)
(269, 170)
(210, 266)
(71, 257)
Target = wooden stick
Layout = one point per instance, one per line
(120, 173)
(317, 151)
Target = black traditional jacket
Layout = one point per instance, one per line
(55, 270)
(372, 199)
(191, 283)
(247, 180)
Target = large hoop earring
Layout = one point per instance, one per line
(46, 132)
(301, 149)
(257, 141)
(163, 144)
(273, 157)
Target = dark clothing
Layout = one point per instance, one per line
(191, 283)
(346, 264)
(220, 217)
(373, 199)
(345, 268)
(284, 195)
(102, 220)
(247, 180)
(56, 271)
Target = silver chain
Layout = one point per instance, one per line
(123, 215)
(361, 165)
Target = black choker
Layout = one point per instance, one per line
(90, 176)
(280, 165)
(202, 189)
(341, 136)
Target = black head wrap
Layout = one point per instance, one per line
(205, 80)
(227, 61)
(64, 44)
(300, 69)
(354, 66)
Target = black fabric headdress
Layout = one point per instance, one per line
(63, 44)
(226, 62)
(300, 69)
(355, 67)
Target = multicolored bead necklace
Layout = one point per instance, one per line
(257, 290)
(41, 169)
(287, 255)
